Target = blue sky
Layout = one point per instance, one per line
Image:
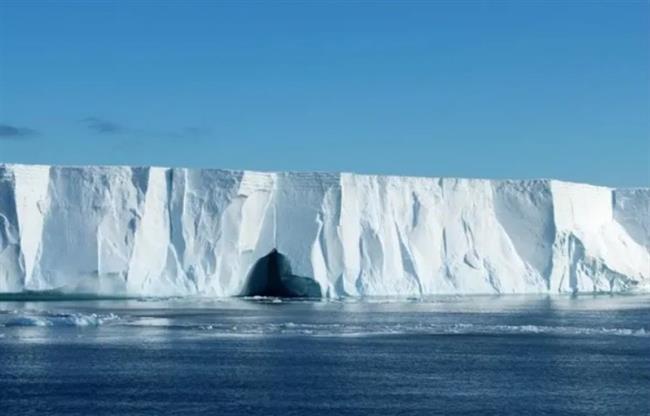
(516, 90)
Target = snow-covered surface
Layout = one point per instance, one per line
(175, 231)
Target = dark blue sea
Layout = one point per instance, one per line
(477, 355)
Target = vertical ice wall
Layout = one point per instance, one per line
(174, 231)
(11, 262)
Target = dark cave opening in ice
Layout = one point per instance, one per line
(271, 276)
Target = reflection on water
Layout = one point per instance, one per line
(553, 315)
(440, 355)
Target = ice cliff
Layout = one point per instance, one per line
(174, 231)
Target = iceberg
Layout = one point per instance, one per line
(157, 231)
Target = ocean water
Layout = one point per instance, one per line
(480, 355)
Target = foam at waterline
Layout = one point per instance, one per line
(380, 329)
(53, 319)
